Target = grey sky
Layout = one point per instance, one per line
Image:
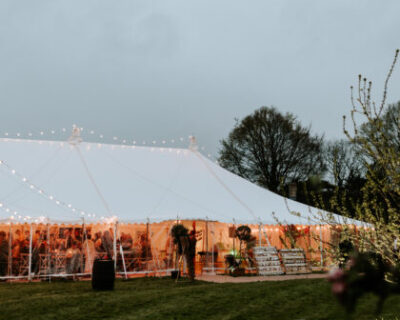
(164, 69)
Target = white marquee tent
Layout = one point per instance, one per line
(55, 195)
(66, 181)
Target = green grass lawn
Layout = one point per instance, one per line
(151, 298)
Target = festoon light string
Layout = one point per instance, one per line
(122, 141)
(34, 188)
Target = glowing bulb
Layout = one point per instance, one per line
(13, 171)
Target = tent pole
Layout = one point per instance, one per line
(207, 259)
(115, 245)
(147, 240)
(321, 245)
(147, 245)
(30, 253)
(171, 249)
(10, 250)
(48, 251)
(259, 234)
(155, 253)
(212, 249)
(82, 240)
(266, 237)
(87, 242)
(176, 252)
(233, 238)
(121, 252)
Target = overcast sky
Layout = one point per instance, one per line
(152, 70)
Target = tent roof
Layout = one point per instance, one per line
(57, 180)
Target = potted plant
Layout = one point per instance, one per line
(236, 261)
(233, 262)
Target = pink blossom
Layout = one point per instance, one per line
(336, 275)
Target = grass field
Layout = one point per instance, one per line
(150, 298)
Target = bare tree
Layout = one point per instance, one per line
(343, 162)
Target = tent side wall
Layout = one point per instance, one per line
(70, 249)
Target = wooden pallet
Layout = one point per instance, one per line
(294, 261)
(267, 260)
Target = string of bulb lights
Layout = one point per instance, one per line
(34, 188)
(16, 215)
(102, 137)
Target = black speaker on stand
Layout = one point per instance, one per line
(103, 275)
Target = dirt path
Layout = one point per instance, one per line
(226, 279)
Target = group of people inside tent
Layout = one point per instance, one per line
(66, 250)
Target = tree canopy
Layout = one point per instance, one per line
(272, 149)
